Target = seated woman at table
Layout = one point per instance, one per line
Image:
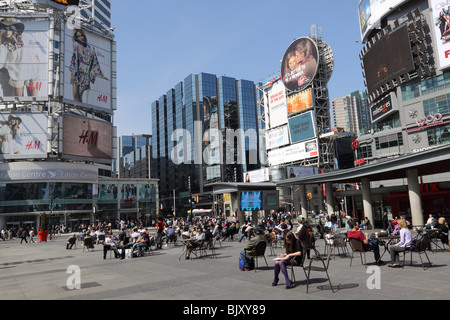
(196, 242)
(405, 242)
(292, 257)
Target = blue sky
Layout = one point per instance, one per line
(160, 42)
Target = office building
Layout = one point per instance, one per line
(191, 148)
(351, 112)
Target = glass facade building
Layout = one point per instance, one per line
(205, 130)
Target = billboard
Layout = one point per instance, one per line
(24, 59)
(300, 102)
(372, 11)
(296, 152)
(302, 127)
(299, 65)
(87, 69)
(23, 135)
(441, 16)
(67, 2)
(297, 172)
(387, 59)
(271, 200)
(251, 200)
(381, 109)
(276, 101)
(277, 137)
(260, 175)
(86, 138)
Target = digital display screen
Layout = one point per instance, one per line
(251, 200)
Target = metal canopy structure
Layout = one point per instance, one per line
(427, 162)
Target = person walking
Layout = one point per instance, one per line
(24, 235)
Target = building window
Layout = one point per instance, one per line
(410, 92)
(392, 140)
(364, 152)
(439, 135)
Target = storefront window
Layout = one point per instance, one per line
(439, 135)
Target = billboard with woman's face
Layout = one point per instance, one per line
(88, 69)
(299, 65)
(24, 59)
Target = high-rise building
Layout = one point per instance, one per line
(205, 130)
(351, 112)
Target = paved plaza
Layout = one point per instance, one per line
(39, 271)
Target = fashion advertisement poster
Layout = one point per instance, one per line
(299, 64)
(87, 69)
(23, 135)
(441, 31)
(24, 58)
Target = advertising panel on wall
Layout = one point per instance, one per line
(296, 152)
(372, 11)
(261, 175)
(271, 200)
(297, 172)
(251, 200)
(88, 69)
(299, 65)
(24, 59)
(278, 137)
(441, 12)
(276, 101)
(382, 108)
(23, 135)
(86, 138)
(387, 59)
(300, 102)
(302, 127)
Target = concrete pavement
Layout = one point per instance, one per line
(39, 271)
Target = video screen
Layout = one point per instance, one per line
(251, 200)
(389, 58)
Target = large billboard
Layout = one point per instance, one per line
(299, 102)
(302, 127)
(296, 152)
(372, 11)
(276, 101)
(277, 137)
(86, 138)
(24, 59)
(251, 200)
(23, 135)
(387, 59)
(260, 175)
(441, 30)
(299, 65)
(88, 69)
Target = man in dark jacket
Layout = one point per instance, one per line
(251, 245)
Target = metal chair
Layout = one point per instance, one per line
(420, 245)
(211, 245)
(88, 243)
(291, 267)
(357, 246)
(257, 252)
(340, 242)
(324, 268)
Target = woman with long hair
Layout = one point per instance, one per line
(292, 257)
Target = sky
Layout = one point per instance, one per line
(161, 42)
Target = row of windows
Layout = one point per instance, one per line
(425, 87)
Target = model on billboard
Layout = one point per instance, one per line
(299, 64)
(9, 137)
(19, 55)
(84, 67)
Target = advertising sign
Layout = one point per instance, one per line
(299, 65)
(24, 58)
(260, 175)
(296, 172)
(277, 105)
(251, 200)
(296, 152)
(381, 109)
(277, 137)
(23, 135)
(67, 2)
(441, 16)
(87, 69)
(271, 200)
(87, 138)
(372, 11)
(300, 102)
(387, 59)
(302, 127)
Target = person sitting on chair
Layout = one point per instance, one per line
(251, 245)
(191, 245)
(405, 241)
(369, 244)
(110, 245)
(292, 257)
(441, 231)
(71, 241)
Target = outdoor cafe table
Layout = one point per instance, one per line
(384, 241)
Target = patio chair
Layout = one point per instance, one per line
(420, 245)
(89, 244)
(258, 252)
(340, 242)
(357, 246)
(315, 268)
